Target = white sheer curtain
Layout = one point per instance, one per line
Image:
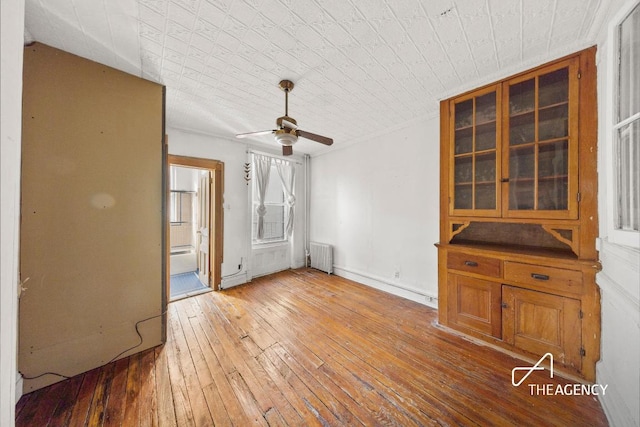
(287, 173)
(262, 166)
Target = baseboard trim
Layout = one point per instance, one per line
(235, 280)
(384, 285)
(19, 385)
(615, 404)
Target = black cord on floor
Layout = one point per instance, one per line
(139, 336)
(43, 374)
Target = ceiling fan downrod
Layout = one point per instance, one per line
(286, 86)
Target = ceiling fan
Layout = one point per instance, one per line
(287, 132)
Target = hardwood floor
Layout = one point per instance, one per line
(304, 348)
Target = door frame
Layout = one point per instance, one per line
(216, 217)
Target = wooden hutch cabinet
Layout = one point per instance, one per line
(518, 205)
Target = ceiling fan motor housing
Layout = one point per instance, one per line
(286, 121)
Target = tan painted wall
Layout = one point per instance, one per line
(92, 225)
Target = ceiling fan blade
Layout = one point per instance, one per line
(287, 150)
(262, 132)
(312, 136)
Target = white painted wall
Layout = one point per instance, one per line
(377, 203)
(619, 279)
(237, 222)
(11, 52)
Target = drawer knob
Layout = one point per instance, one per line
(471, 263)
(539, 276)
(504, 305)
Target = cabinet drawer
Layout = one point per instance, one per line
(474, 264)
(550, 278)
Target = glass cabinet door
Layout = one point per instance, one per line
(475, 167)
(540, 144)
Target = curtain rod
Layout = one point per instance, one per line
(275, 156)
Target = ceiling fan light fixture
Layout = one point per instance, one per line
(286, 136)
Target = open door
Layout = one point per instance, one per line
(204, 226)
(209, 234)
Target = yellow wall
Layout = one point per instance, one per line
(92, 222)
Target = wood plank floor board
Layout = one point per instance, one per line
(194, 403)
(302, 348)
(192, 344)
(114, 409)
(265, 390)
(131, 405)
(80, 410)
(312, 404)
(166, 412)
(62, 413)
(23, 403)
(284, 407)
(219, 413)
(232, 406)
(181, 403)
(101, 395)
(245, 365)
(251, 407)
(302, 417)
(148, 387)
(326, 391)
(265, 394)
(41, 414)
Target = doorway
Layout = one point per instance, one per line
(194, 226)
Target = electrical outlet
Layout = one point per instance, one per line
(397, 275)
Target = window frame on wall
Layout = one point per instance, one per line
(270, 203)
(619, 195)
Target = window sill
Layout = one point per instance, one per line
(270, 244)
(629, 239)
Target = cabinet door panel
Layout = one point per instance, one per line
(475, 154)
(541, 323)
(540, 143)
(475, 304)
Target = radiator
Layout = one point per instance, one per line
(321, 256)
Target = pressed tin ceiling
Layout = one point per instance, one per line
(360, 67)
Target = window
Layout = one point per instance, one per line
(181, 206)
(625, 119)
(275, 218)
(627, 126)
